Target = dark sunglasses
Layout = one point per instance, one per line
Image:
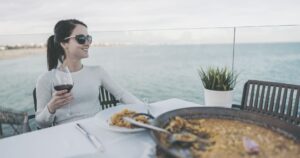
(81, 39)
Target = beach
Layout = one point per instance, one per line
(17, 53)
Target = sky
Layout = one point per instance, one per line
(38, 16)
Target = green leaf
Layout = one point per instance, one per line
(215, 78)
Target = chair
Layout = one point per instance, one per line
(34, 102)
(34, 98)
(106, 99)
(276, 99)
(14, 119)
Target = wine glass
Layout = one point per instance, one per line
(146, 102)
(62, 80)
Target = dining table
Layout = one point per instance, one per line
(66, 141)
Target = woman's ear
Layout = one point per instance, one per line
(64, 45)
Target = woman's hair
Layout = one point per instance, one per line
(55, 51)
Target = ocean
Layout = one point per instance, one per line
(160, 72)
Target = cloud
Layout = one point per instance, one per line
(34, 16)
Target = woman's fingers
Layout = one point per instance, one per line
(62, 98)
(60, 92)
(65, 99)
(61, 103)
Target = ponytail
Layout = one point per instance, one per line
(55, 52)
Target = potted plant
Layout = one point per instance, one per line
(218, 86)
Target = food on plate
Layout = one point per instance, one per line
(117, 119)
(230, 138)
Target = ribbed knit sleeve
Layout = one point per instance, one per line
(116, 90)
(44, 93)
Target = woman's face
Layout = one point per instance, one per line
(75, 50)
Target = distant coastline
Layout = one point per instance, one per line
(21, 52)
(17, 51)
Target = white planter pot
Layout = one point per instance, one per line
(218, 98)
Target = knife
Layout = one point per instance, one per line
(93, 139)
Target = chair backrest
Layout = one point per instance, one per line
(34, 101)
(277, 99)
(106, 99)
(14, 119)
(34, 98)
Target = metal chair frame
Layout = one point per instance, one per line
(14, 119)
(106, 99)
(280, 100)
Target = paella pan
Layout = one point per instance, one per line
(223, 132)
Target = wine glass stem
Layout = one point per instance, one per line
(69, 108)
(146, 102)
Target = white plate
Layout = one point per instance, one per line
(103, 117)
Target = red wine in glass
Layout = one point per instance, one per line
(63, 87)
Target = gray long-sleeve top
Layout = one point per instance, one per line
(85, 93)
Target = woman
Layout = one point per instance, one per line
(68, 46)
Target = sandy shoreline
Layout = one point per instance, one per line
(17, 53)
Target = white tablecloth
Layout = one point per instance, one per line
(66, 141)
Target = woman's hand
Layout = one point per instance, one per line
(59, 99)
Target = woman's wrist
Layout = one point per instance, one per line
(52, 111)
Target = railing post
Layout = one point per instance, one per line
(233, 48)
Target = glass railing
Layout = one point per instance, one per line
(268, 53)
(160, 64)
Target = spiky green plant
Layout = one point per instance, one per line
(220, 79)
